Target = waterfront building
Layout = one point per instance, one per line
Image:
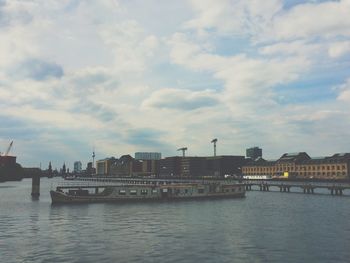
(148, 156)
(169, 166)
(225, 165)
(217, 166)
(90, 170)
(103, 166)
(123, 166)
(77, 167)
(254, 153)
(193, 166)
(301, 165)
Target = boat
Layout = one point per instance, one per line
(77, 193)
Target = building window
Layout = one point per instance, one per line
(144, 191)
(133, 192)
(122, 192)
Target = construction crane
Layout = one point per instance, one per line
(214, 142)
(8, 149)
(183, 149)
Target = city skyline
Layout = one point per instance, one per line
(129, 76)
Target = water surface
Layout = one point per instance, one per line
(263, 227)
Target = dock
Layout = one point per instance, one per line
(306, 187)
(285, 186)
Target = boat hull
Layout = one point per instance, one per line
(176, 193)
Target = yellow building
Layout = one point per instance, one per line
(301, 165)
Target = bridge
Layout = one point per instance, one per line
(306, 187)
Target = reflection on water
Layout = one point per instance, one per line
(263, 227)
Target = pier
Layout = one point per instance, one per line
(285, 186)
(306, 187)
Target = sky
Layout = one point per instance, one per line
(122, 76)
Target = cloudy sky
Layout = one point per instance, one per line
(148, 75)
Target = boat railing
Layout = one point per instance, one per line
(83, 184)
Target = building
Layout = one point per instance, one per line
(7, 160)
(124, 166)
(193, 166)
(103, 166)
(225, 165)
(148, 156)
(149, 167)
(77, 167)
(254, 153)
(301, 165)
(189, 167)
(90, 170)
(169, 167)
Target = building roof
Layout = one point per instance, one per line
(293, 157)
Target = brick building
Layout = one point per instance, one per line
(301, 165)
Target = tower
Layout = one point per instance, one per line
(214, 142)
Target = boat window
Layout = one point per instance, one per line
(133, 192)
(122, 192)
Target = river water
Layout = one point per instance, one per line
(263, 227)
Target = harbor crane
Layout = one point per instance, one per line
(183, 149)
(8, 149)
(214, 142)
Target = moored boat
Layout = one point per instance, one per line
(141, 192)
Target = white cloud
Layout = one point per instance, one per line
(117, 57)
(130, 45)
(181, 99)
(247, 81)
(233, 17)
(308, 20)
(339, 49)
(299, 47)
(344, 91)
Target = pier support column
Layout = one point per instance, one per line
(35, 186)
(332, 191)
